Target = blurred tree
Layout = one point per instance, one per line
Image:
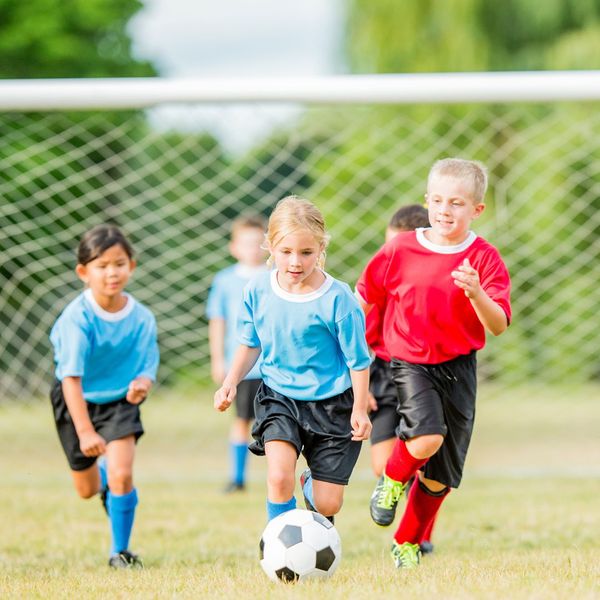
(76, 38)
(385, 36)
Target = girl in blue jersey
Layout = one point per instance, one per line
(106, 358)
(314, 365)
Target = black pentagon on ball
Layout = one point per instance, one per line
(290, 535)
(286, 574)
(325, 558)
(322, 520)
(261, 549)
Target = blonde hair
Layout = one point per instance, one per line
(295, 214)
(470, 171)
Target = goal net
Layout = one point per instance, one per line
(174, 176)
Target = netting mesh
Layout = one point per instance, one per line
(175, 190)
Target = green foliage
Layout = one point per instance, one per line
(72, 38)
(385, 36)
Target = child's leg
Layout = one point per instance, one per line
(238, 447)
(122, 497)
(380, 453)
(281, 468)
(407, 457)
(328, 497)
(87, 482)
(423, 504)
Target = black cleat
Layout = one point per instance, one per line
(384, 500)
(125, 560)
(232, 487)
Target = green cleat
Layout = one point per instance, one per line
(406, 555)
(384, 500)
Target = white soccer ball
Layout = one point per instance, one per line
(300, 544)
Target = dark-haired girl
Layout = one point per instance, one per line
(106, 357)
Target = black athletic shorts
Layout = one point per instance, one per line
(318, 429)
(244, 400)
(439, 399)
(112, 420)
(385, 419)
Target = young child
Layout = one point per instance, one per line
(106, 358)
(315, 365)
(384, 398)
(440, 289)
(224, 300)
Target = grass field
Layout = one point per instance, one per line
(524, 524)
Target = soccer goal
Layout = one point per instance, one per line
(173, 162)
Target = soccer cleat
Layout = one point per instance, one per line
(233, 487)
(309, 506)
(384, 500)
(426, 547)
(125, 560)
(406, 555)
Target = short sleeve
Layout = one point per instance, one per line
(246, 330)
(71, 346)
(352, 339)
(216, 302)
(371, 284)
(149, 345)
(495, 280)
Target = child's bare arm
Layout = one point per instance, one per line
(490, 313)
(90, 442)
(216, 345)
(243, 361)
(359, 420)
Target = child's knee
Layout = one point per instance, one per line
(120, 480)
(86, 489)
(329, 506)
(425, 446)
(280, 480)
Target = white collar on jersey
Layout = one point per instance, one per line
(444, 249)
(110, 316)
(279, 291)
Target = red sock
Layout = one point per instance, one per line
(401, 464)
(419, 514)
(426, 537)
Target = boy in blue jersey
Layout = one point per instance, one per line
(314, 365)
(222, 309)
(106, 358)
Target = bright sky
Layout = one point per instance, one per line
(240, 37)
(200, 38)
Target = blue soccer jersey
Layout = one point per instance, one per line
(309, 341)
(225, 301)
(107, 350)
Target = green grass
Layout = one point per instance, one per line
(524, 524)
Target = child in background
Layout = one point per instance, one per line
(440, 289)
(106, 359)
(222, 309)
(384, 398)
(314, 365)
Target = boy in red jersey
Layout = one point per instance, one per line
(439, 289)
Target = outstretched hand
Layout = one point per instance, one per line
(467, 278)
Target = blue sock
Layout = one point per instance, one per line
(308, 489)
(101, 462)
(239, 453)
(122, 512)
(275, 509)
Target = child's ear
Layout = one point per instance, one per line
(81, 271)
(132, 265)
(479, 208)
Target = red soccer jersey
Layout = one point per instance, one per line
(374, 334)
(427, 319)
